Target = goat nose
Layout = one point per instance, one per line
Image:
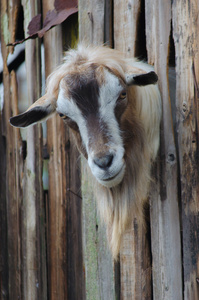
(104, 161)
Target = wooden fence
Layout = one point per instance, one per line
(52, 244)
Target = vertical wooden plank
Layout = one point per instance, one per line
(91, 20)
(65, 272)
(34, 250)
(66, 278)
(11, 162)
(135, 260)
(135, 264)
(126, 15)
(57, 187)
(97, 258)
(165, 222)
(185, 32)
(3, 218)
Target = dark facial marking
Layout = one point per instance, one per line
(84, 90)
(98, 132)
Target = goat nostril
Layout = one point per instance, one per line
(104, 161)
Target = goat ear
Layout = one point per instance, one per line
(42, 109)
(142, 79)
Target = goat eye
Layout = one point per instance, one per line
(122, 95)
(63, 116)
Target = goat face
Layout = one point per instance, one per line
(92, 98)
(92, 105)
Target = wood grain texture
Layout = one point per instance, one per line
(10, 250)
(66, 278)
(56, 228)
(26, 264)
(185, 32)
(91, 20)
(33, 232)
(10, 187)
(135, 264)
(99, 273)
(126, 16)
(165, 222)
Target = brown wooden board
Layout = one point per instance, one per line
(165, 218)
(186, 40)
(65, 268)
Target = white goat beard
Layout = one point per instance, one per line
(119, 205)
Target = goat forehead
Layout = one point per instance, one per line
(83, 89)
(93, 89)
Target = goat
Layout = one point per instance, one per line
(113, 106)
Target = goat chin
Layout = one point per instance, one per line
(114, 180)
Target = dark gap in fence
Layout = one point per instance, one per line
(19, 35)
(117, 279)
(108, 23)
(140, 45)
(172, 94)
(24, 149)
(46, 216)
(146, 212)
(172, 79)
(70, 32)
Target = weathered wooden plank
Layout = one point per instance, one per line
(91, 20)
(3, 218)
(185, 32)
(99, 269)
(56, 200)
(135, 264)
(165, 223)
(97, 257)
(64, 231)
(33, 231)
(126, 15)
(11, 162)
